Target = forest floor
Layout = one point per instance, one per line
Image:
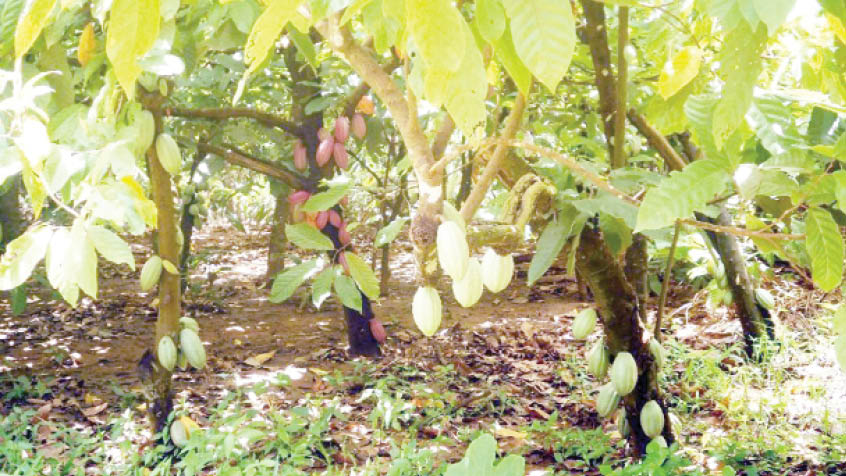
(508, 366)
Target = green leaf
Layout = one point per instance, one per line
(30, 26)
(838, 320)
(385, 30)
(111, 246)
(617, 234)
(825, 247)
(774, 126)
(325, 200)
(507, 55)
(21, 256)
(308, 237)
(60, 271)
(348, 292)
(363, 275)
(321, 286)
(836, 8)
(83, 259)
(289, 280)
(353, 10)
(304, 45)
(490, 19)
(462, 91)
(773, 12)
(607, 203)
(9, 14)
(17, 298)
(390, 232)
(133, 28)
(544, 34)
(682, 193)
(740, 66)
(511, 465)
(438, 31)
(840, 351)
(266, 31)
(680, 71)
(551, 242)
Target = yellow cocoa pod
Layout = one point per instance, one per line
(453, 252)
(468, 289)
(168, 153)
(166, 353)
(193, 348)
(151, 272)
(496, 270)
(426, 310)
(624, 373)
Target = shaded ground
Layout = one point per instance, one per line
(508, 365)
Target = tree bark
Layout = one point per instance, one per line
(11, 214)
(624, 331)
(636, 268)
(277, 240)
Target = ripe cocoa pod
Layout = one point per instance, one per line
(660, 441)
(342, 260)
(378, 330)
(652, 419)
(496, 270)
(342, 129)
(468, 289)
(151, 272)
(623, 423)
(343, 235)
(178, 433)
(335, 219)
(426, 310)
(167, 150)
(342, 158)
(192, 347)
(300, 160)
(598, 360)
(624, 373)
(359, 127)
(607, 400)
(189, 323)
(322, 219)
(146, 125)
(658, 352)
(166, 352)
(323, 134)
(584, 323)
(453, 252)
(324, 151)
(298, 196)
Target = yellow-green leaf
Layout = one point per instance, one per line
(363, 275)
(680, 71)
(438, 31)
(266, 30)
(30, 26)
(825, 247)
(133, 28)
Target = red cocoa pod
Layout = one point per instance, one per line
(345, 201)
(344, 236)
(324, 151)
(298, 196)
(322, 134)
(342, 129)
(322, 219)
(342, 259)
(300, 161)
(359, 127)
(378, 330)
(340, 155)
(335, 219)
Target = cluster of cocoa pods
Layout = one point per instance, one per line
(332, 144)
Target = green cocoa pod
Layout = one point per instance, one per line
(765, 298)
(624, 373)
(660, 441)
(468, 289)
(652, 419)
(151, 272)
(182, 361)
(598, 360)
(453, 252)
(189, 323)
(166, 353)
(146, 125)
(178, 433)
(584, 323)
(426, 310)
(497, 270)
(623, 423)
(607, 400)
(168, 153)
(658, 352)
(193, 348)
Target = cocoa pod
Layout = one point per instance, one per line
(342, 129)
(468, 289)
(192, 347)
(151, 272)
(146, 131)
(497, 270)
(298, 196)
(342, 158)
(607, 400)
(343, 235)
(378, 330)
(335, 219)
(652, 419)
(598, 360)
(660, 441)
(623, 423)
(584, 323)
(167, 150)
(324, 151)
(166, 352)
(359, 127)
(342, 259)
(300, 161)
(658, 352)
(322, 134)
(426, 310)
(345, 201)
(322, 219)
(178, 433)
(189, 323)
(624, 373)
(453, 252)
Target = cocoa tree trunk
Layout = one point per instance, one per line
(186, 225)
(755, 320)
(636, 268)
(278, 242)
(617, 305)
(11, 215)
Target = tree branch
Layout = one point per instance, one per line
(657, 141)
(242, 159)
(619, 160)
(265, 118)
(597, 40)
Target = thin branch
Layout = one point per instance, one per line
(265, 118)
(657, 141)
(242, 159)
(619, 160)
(355, 96)
(665, 286)
(597, 40)
(741, 231)
(441, 140)
(441, 164)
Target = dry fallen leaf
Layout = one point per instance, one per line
(260, 359)
(91, 411)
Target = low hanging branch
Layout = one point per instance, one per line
(657, 141)
(266, 118)
(233, 156)
(665, 286)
